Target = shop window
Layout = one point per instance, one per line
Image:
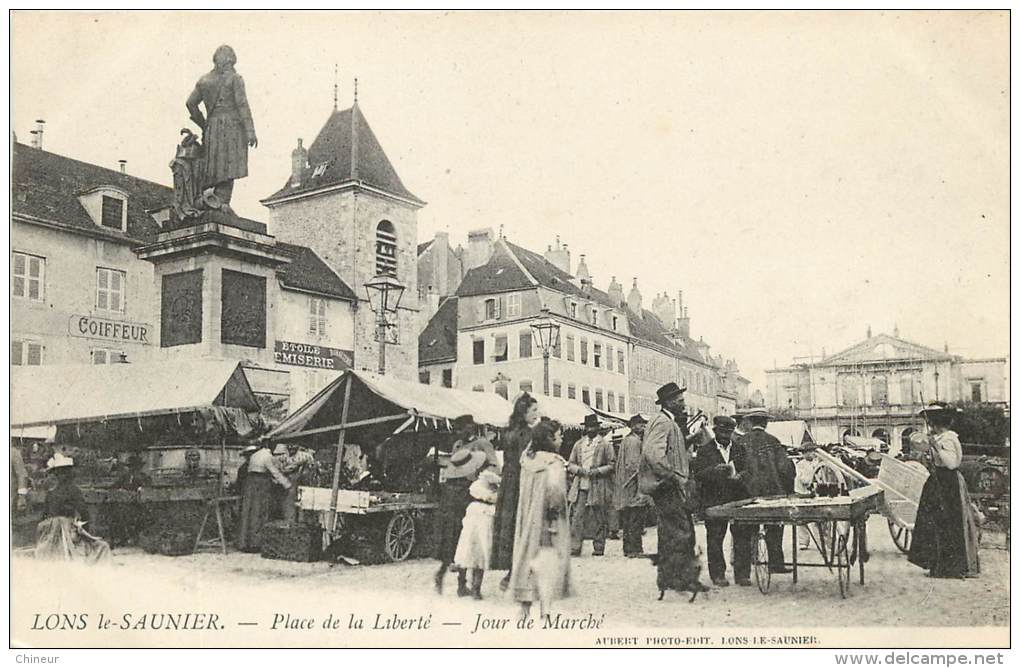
(110, 288)
(106, 356)
(316, 316)
(499, 352)
(478, 349)
(27, 276)
(386, 248)
(26, 353)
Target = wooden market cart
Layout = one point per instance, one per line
(839, 536)
(369, 409)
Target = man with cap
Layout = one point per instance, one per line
(769, 473)
(591, 465)
(454, 497)
(664, 475)
(468, 436)
(715, 468)
(629, 501)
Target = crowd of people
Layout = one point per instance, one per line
(534, 512)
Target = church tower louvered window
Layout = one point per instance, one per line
(386, 249)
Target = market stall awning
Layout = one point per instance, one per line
(379, 399)
(59, 394)
(568, 412)
(791, 433)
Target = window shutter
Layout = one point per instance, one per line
(481, 310)
(499, 308)
(17, 352)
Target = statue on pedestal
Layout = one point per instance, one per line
(204, 173)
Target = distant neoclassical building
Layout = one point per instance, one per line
(876, 387)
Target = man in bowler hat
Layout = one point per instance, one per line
(664, 475)
(716, 470)
(591, 465)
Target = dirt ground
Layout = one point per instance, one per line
(259, 600)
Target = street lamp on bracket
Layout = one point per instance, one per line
(384, 292)
(547, 331)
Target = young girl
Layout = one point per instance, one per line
(474, 549)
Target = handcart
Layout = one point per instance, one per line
(839, 538)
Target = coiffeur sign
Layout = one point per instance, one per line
(91, 327)
(313, 356)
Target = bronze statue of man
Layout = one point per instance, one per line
(227, 128)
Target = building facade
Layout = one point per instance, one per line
(99, 275)
(877, 387)
(612, 354)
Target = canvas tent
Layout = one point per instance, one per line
(133, 404)
(571, 412)
(383, 404)
(791, 433)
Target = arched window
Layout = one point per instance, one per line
(905, 438)
(386, 248)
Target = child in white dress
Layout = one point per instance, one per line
(475, 545)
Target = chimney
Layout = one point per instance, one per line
(615, 292)
(559, 256)
(298, 163)
(582, 271)
(441, 263)
(37, 134)
(683, 324)
(634, 299)
(479, 248)
(869, 331)
(123, 166)
(896, 330)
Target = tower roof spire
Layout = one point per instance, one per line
(336, 88)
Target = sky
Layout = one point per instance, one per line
(801, 176)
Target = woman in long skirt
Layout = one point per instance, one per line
(524, 416)
(474, 548)
(541, 564)
(945, 532)
(60, 535)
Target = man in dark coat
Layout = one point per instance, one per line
(453, 502)
(628, 499)
(770, 472)
(590, 493)
(715, 468)
(664, 475)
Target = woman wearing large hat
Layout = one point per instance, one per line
(61, 534)
(945, 531)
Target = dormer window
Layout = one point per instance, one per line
(107, 207)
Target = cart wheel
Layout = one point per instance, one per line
(398, 541)
(901, 536)
(762, 576)
(842, 566)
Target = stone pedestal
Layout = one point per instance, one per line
(218, 288)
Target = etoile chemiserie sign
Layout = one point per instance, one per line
(92, 327)
(314, 356)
